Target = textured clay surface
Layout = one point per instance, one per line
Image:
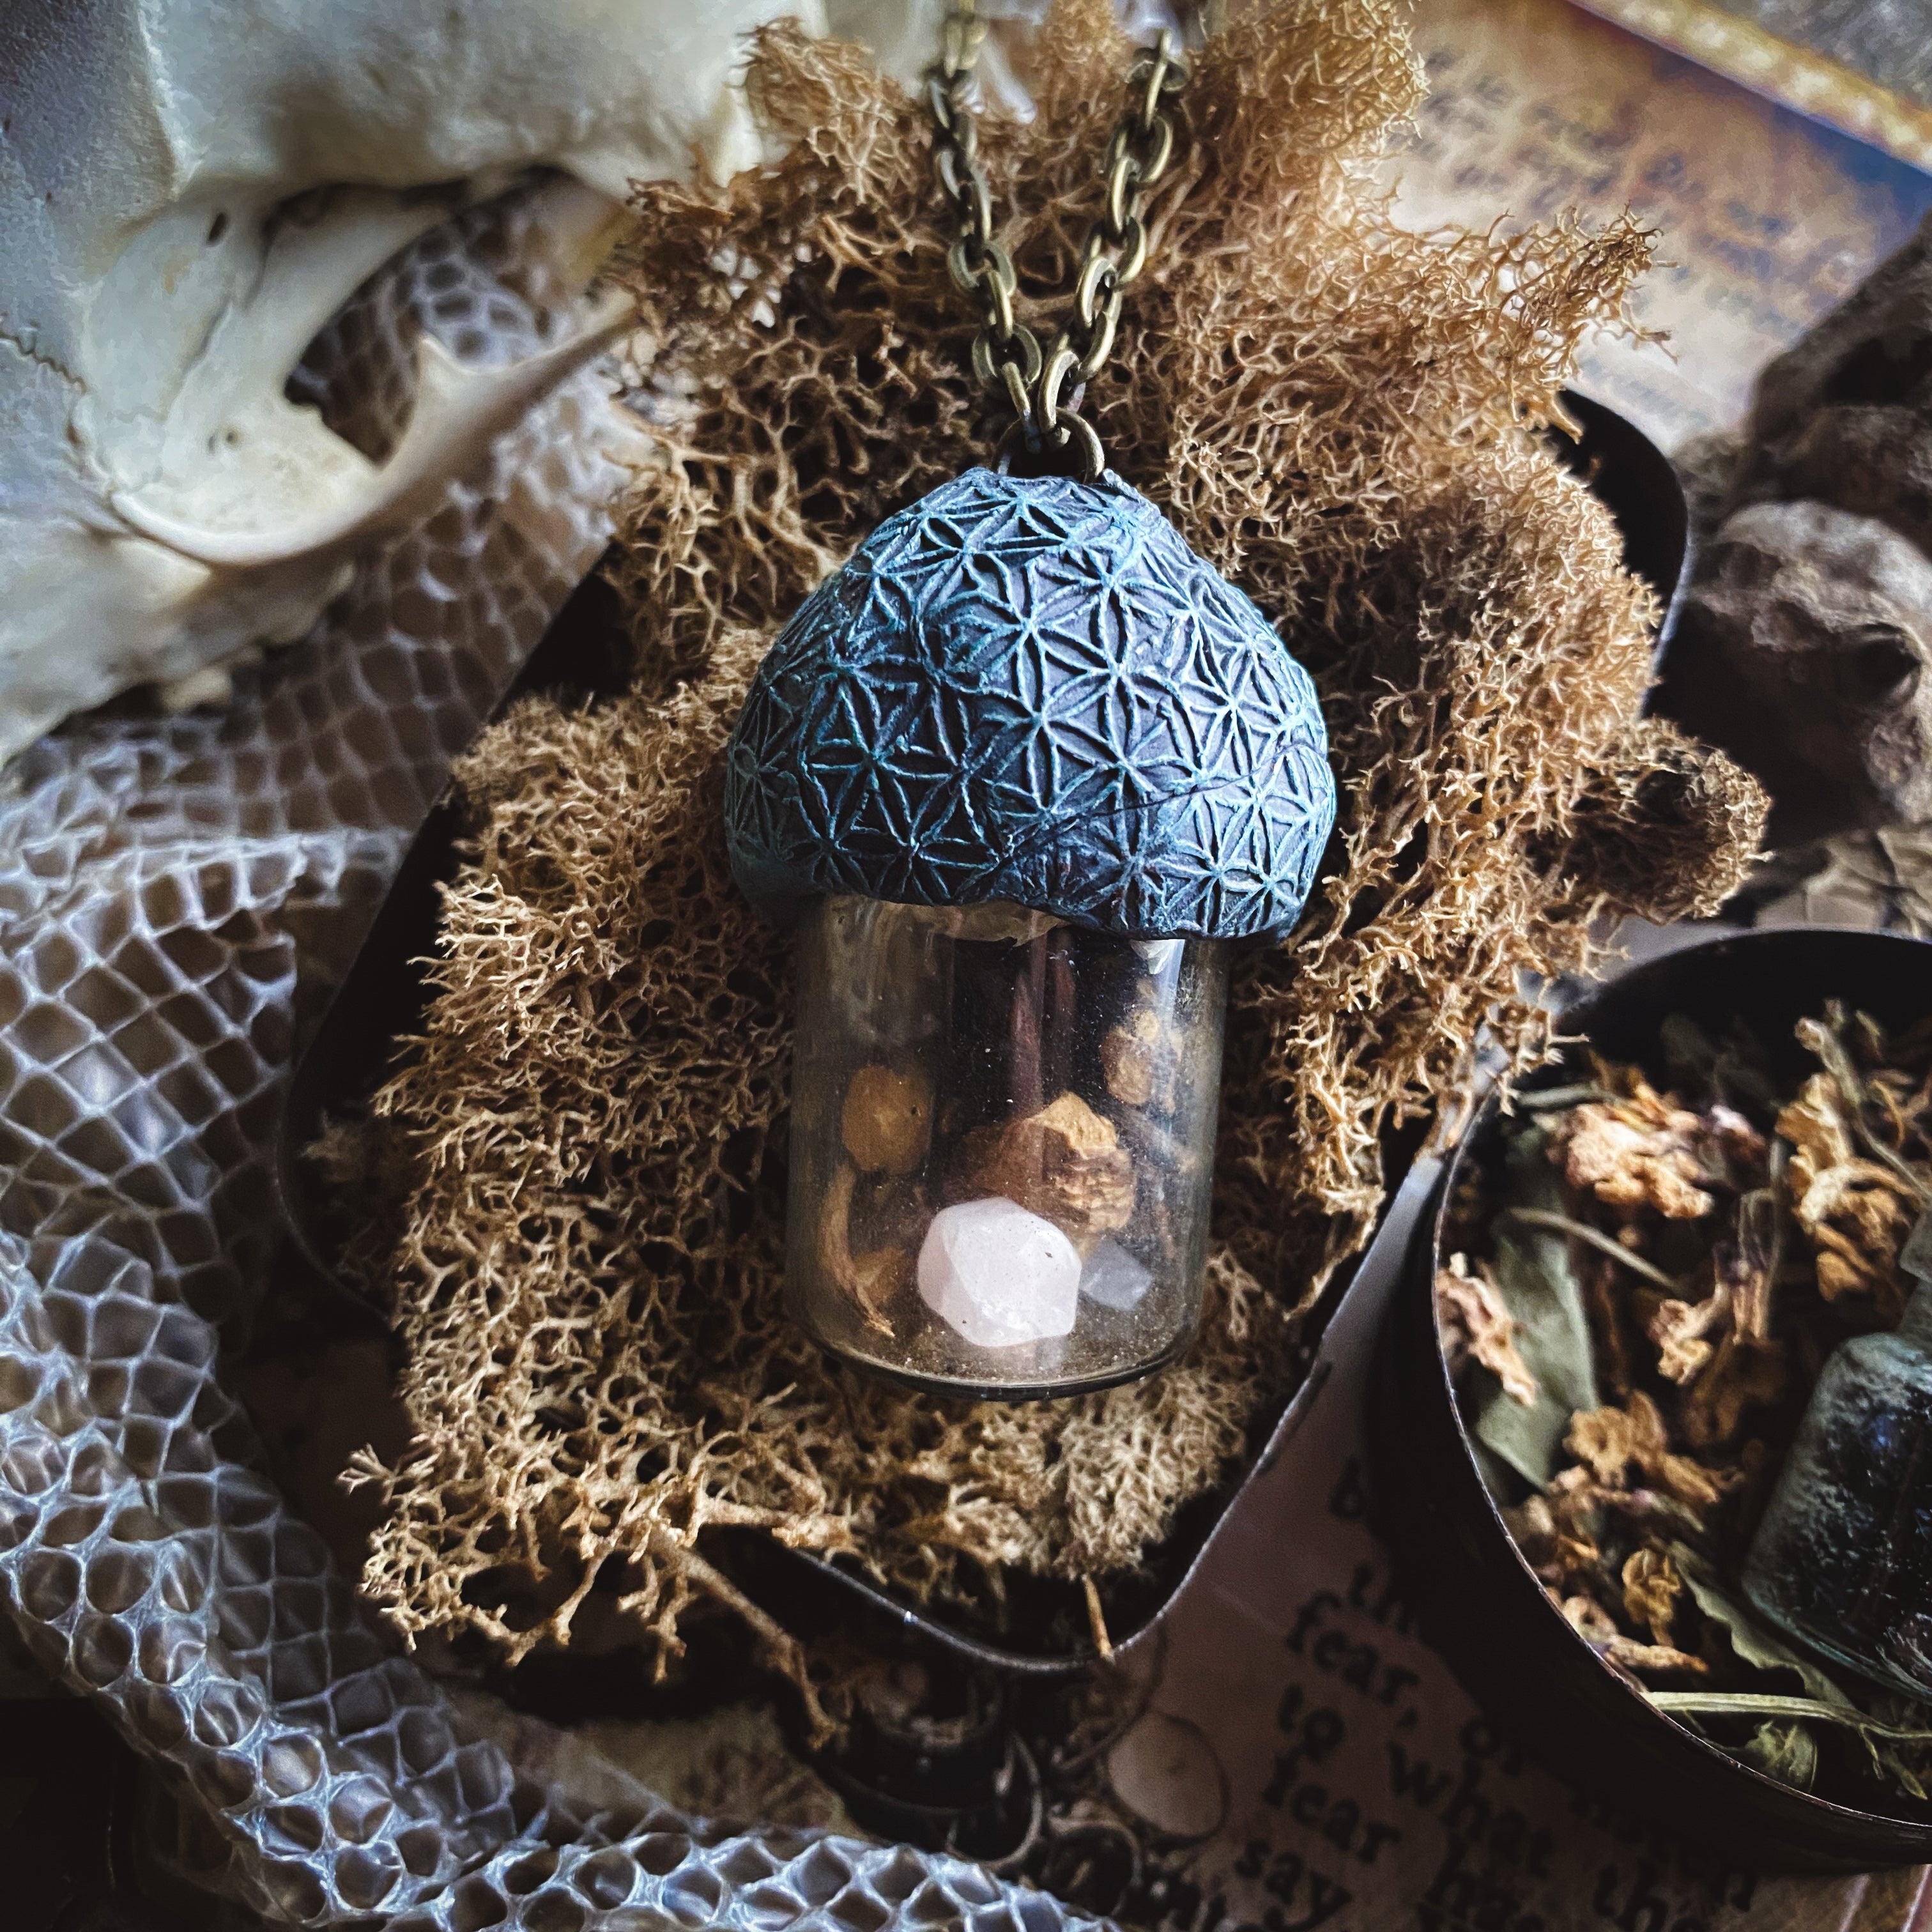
(1144, 756)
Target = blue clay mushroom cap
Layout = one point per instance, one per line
(1030, 689)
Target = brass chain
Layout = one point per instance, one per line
(1007, 358)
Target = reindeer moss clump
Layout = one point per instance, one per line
(585, 1250)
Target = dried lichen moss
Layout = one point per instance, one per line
(1334, 413)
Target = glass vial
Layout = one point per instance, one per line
(1843, 1558)
(1002, 1144)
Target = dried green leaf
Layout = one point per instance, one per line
(1782, 1749)
(1540, 1288)
(1755, 1645)
(1895, 1768)
(1746, 1704)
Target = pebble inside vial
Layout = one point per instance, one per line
(1002, 1144)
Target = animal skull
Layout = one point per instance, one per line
(190, 189)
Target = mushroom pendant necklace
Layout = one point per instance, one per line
(1020, 773)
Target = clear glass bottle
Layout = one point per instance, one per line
(1002, 1144)
(1843, 1558)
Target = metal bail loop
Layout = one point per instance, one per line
(1077, 454)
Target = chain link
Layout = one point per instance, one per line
(1007, 359)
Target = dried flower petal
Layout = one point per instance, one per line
(1589, 1618)
(1736, 1135)
(1576, 1559)
(1598, 1629)
(1816, 1129)
(1474, 1324)
(1652, 1660)
(1638, 1151)
(1575, 1501)
(1651, 1587)
(1611, 1441)
(1679, 1329)
(1532, 1528)
(1855, 1213)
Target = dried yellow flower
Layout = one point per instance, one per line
(1855, 1212)
(1651, 1587)
(1474, 1324)
(1612, 1442)
(1680, 1329)
(1637, 1151)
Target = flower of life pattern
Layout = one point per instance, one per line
(1031, 689)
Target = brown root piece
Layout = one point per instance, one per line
(1130, 1057)
(586, 1263)
(887, 1122)
(1065, 1162)
(870, 1279)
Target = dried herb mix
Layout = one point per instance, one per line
(1643, 1292)
(574, 1183)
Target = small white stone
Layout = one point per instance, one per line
(998, 1275)
(1114, 1278)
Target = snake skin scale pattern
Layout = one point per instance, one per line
(1031, 689)
(169, 889)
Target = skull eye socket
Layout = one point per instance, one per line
(1877, 665)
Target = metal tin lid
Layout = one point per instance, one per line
(1031, 689)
